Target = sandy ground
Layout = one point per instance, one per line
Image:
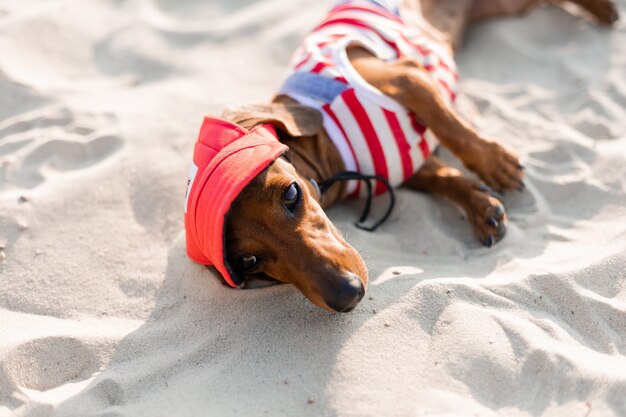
(102, 314)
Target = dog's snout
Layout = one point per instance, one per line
(348, 295)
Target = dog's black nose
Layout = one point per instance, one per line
(348, 294)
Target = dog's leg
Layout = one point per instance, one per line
(411, 86)
(604, 11)
(487, 9)
(448, 17)
(484, 211)
(447, 20)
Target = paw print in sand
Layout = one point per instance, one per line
(39, 145)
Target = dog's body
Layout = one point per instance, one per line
(277, 230)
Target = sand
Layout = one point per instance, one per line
(101, 312)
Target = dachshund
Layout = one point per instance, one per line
(356, 86)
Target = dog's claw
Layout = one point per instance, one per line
(614, 17)
(499, 212)
(489, 241)
(501, 230)
(521, 187)
(521, 166)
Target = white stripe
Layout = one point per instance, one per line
(431, 139)
(336, 136)
(387, 141)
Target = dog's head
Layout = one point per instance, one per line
(276, 228)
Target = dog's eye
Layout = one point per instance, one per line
(247, 262)
(291, 196)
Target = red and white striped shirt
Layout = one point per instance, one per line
(374, 133)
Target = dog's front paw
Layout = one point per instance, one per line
(486, 213)
(496, 166)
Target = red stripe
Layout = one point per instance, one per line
(333, 116)
(403, 145)
(369, 133)
(447, 87)
(419, 128)
(341, 80)
(423, 145)
(432, 68)
(319, 67)
(422, 50)
(424, 148)
(444, 65)
(368, 8)
(420, 131)
(344, 21)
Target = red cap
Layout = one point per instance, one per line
(225, 159)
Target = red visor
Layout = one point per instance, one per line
(226, 158)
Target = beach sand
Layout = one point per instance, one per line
(102, 313)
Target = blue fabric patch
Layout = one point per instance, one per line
(313, 86)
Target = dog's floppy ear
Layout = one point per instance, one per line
(295, 119)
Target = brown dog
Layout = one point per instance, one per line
(277, 230)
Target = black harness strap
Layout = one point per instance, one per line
(324, 185)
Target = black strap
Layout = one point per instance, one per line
(351, 175)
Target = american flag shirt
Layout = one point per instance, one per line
(374, 134)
